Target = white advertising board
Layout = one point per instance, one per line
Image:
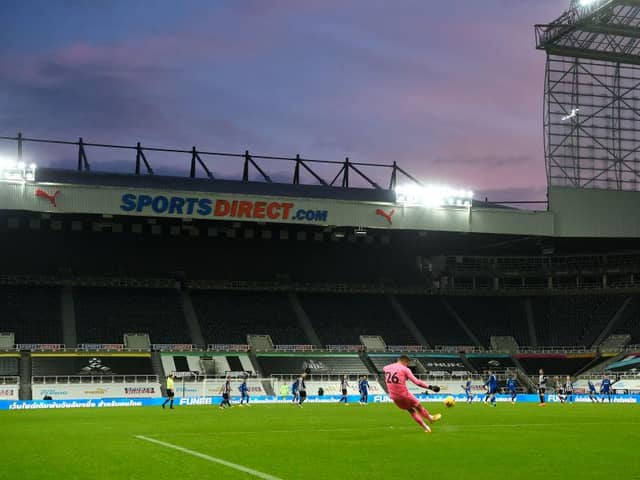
(61, 391)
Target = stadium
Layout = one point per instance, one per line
(112, 282)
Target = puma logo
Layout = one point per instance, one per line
(51, 198)
(386, 215)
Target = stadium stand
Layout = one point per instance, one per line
(379, 361)
(9, 366)
(555, 364)
(442, 365)
(433, 320)
(341, 319)
(104, 315)
(573, 320)
(228, 316)
(630, 323)
(489, 316)
(32, 313)
(495, 363)
(273, 364)
(56, 365)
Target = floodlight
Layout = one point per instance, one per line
(432, 195)
(11, 169)
(573, 114)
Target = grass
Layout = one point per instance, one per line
(324, 441)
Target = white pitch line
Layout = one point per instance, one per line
(235, 466)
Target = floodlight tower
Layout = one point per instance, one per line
(592, 95)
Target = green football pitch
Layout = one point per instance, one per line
(322, 441)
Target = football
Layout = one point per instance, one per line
(449, 402)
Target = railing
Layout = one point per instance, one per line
(228, 347)
(195, 377)
(633, 348)
(9, 380)
(84, 348)
(405, 348)
(274, 286)
(566, 22)
(172, 347)
(39, 346)
(345, 348)
(100, 346)
(80, 379)
(458, 349)
(194, 158)
(562, 349)
(296, 348)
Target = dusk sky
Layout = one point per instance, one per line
(451, 90)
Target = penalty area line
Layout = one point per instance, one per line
(219, 461)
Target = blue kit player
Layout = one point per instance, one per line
(605, 389)
(363, 387)
(512, 385)
(492, 388)
(468, 390)
(244, 392)
(592, 392)
(294, 391)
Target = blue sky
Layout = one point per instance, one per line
(451, 90)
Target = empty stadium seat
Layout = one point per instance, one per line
(488, 316)
(573, 320)
(341, 319)
(227, 316)
(104, 315)
(32, 313)
(630, 321)
(9, 366)
(433, 320)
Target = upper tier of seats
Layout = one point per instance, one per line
(431, 317)
(228, 316)
(573, 320)
(104, 315)
(630, 321)
(341, 319)
(33, 314)
(493, 316)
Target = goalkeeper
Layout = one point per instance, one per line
(396, 376)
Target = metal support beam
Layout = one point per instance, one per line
(141, 156)
(83, 164)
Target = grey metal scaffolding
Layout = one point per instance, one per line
(591, 100)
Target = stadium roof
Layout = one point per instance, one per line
(595, 29)
(168, 183)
